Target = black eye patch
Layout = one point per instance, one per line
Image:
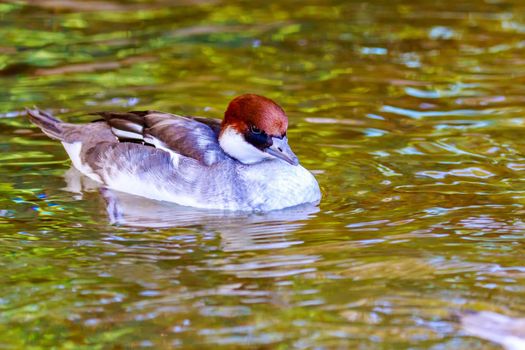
(260, 140)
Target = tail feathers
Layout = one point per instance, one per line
(50, 125)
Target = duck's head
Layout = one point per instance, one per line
(254, 129)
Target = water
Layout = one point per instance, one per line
(410, 114)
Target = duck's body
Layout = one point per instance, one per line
(188, 160)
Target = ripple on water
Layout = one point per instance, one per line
(410, 114)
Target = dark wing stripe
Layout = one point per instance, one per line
(126, 125)
(134, 117)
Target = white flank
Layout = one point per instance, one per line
(73, 150)
(130, 183)
(236, 147)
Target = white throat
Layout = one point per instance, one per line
(234, 144)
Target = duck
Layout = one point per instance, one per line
(242, 163)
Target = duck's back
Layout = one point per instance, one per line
(192, 137)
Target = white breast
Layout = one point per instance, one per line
(275, 185)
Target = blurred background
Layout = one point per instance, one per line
(409, 113)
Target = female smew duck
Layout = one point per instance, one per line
(243, 163)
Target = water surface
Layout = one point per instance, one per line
(410, 114)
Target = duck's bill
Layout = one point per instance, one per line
(280, 149)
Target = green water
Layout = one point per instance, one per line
(410, 114)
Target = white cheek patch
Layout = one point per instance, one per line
(234, 144)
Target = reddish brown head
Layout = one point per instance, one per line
(259, 112)
(254, 129)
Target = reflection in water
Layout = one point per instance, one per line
(239, 231)
(507, 331)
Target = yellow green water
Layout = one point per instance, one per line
(410, 113)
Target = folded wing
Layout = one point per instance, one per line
(192, 137)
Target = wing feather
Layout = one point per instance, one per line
(193, 137)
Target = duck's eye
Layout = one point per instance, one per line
(255, 129)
